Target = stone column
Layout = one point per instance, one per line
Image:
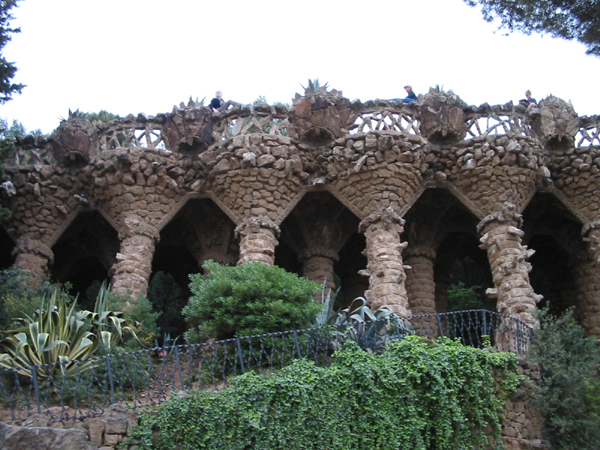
(589, 281)
(442, 284)
(384, 255)
(501, 238)
(33, 255)
(317, 266)
(134, 260)
(258, 239)
(420, 284)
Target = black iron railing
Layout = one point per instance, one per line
(148, 377)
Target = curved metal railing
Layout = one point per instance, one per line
(148, 377)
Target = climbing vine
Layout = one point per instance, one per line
(416, 394)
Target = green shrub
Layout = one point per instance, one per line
(415, 395)
(248, 299)
(168, 299)
(20, 295)
(140, 317)
(569, 395)
(461, 298)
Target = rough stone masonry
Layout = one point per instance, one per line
(385, 195)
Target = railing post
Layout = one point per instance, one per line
(485, 326)
(36, 389)
(241, 354)
(297, 344)
(439, 323)
(110, 379)
(179, 367)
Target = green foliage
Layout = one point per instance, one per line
(60, 333)
(140, 317)
(327, 302)
(461, 298)
(569, 395)
(371, 330)
(415, 395)
(168, 299)
(568, 19)
(102, 116)
(248, 299)
(20, 295)
(7, 69)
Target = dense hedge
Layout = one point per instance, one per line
(415, 395)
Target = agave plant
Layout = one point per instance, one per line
(314, 87)
(60, 336)
(327, 301)
(371, 330)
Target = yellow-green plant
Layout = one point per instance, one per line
(59, 336)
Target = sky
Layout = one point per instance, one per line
(145, 56)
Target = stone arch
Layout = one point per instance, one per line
(199, 231)
(560, 258)
(6, 247)
(85, 253)
(315, 236)
(443, 249)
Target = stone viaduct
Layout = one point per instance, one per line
(385, 195)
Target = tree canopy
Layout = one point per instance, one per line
(568, 19)
(7, 69)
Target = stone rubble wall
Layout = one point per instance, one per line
(256, 163)
(523, 425)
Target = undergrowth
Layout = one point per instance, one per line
(414, 395)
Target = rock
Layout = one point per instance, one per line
(21, 438)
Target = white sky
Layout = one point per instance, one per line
(132, 56)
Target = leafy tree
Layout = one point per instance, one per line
(462, 298)
(567, 19)
(168, 299)
(7, 69)
(569, 393)
(248, 299)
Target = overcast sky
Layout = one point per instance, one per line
(132, 56)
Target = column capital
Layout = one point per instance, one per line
(135, 226)
(26, 245)
(322, 252)
(591, 234)
(387, 217)
(507, 215)
(420, 250)
(254, 225)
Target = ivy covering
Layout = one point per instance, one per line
(414, 395)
